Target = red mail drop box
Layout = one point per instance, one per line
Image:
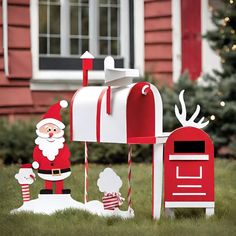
(189, 169)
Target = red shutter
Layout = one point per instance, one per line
(191, 37)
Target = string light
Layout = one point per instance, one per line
(234, 47)
(226, 20)
(222, 103)
(231, 1)
(212, 117)
(232, 31)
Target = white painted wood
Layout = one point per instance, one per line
(114, 126)
(194, 157)
(139, 35)
(188, 177)
(162, 138)
(85, 114)
(65, 28)
(189, 194)
(34, 30)
(210, 59)
(5, 36)
(189, 204)
(169, 212)
(124, 32)
(189, 186)
(93, 27)
(176, 39)
(157, 180)
(210, 211)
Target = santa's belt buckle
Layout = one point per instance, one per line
(56, 172)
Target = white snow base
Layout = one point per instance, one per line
(51, 203)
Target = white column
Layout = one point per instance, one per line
(157, 180)
(5, 36)
(124, 31)
(65, 28)
(176, 39)
(139, 36)
(93, 27)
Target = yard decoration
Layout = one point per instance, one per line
(25, 177)
(189, 165)
(121, 111)
(51, 155)
(110, 183)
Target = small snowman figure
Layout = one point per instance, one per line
(110, 183)
(25, 177)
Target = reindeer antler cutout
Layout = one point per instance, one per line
(183, 117)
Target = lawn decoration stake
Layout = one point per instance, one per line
(121, 111)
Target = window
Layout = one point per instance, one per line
(62, 30)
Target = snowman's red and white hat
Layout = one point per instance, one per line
(53, 116)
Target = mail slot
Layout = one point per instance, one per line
(189, 169)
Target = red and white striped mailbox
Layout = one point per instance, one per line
(136, 114)
(189, 170)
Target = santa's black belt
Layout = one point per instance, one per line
(54, 171)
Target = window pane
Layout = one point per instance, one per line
(104, 1)
(84, 1)
(114, 47)
(74, 49)
(103, 47)
(85, 26)
(114, 1)
(42, 19)
(74, 1)
(85, 45)
(55, 46)
(114, 21)
(74, 20)
(42, 45)
(103, 21)
(54, 19)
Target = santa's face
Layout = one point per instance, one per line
(50, 139)
(50, 131)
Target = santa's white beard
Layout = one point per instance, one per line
(50, 149)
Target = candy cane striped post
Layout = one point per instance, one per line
(86, 165)
(25, 192)
(129, 175)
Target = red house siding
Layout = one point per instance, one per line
(16, 98)
(158, 40)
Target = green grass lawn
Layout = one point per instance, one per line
(74, 222)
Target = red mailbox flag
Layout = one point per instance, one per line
(87, 64)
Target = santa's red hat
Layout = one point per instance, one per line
(26, 166)
(53, 115)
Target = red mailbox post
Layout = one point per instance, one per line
(189, 170)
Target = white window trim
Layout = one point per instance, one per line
(210, 60)
(70, 80)
(176, 39)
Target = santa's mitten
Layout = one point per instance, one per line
(35, 165)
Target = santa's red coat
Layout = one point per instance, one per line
(61, 161)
